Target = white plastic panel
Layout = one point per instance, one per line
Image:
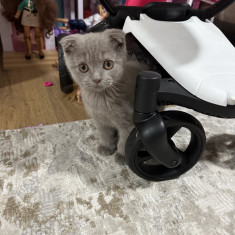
(195, 53)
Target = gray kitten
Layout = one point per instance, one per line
(98, 63)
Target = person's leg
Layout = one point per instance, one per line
(39, 41)
(28, 42)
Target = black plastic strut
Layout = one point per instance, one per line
(110, 8)
(171, 92)
(217, 8)
(149, 123)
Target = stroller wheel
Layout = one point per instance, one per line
(145, 166)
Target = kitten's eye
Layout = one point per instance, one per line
(108, 64)
(83, 67)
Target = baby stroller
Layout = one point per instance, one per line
(192, 65)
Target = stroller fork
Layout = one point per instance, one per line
(154, 132)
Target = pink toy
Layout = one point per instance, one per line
(47, 83)
(140, 3)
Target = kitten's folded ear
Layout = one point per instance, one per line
(68, 43)
(116, 38)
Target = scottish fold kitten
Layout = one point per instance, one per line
(97, 62)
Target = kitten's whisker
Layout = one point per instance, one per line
(118, 83)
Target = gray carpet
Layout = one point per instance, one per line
(52, 181)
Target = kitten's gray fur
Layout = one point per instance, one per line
(110, 102)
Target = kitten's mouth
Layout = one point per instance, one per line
(98, 87)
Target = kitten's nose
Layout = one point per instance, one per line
(97, 81)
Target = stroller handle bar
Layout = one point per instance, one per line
(112, 10)
(161, 11)
(217, 8)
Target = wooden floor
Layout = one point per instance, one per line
(13, 60)
(25, 101)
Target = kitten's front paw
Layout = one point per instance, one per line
(120, 159)
(106, 151)
(120, 155)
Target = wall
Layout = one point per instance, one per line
(5, 32)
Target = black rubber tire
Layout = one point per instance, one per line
(174, 120)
